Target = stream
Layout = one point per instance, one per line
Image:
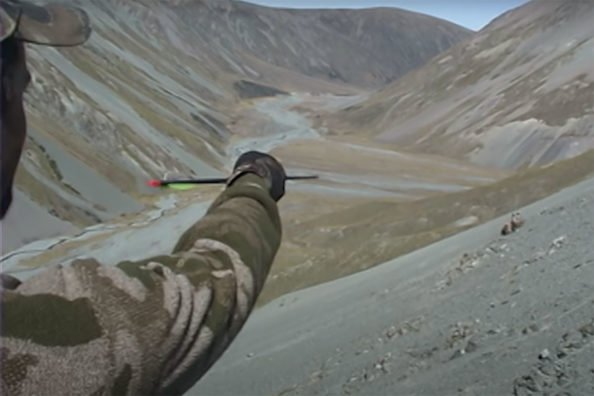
(288, 124)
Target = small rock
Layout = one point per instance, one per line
(526, 385)
(391, 332)
(538, 256)
(250, 355)
(457, 354)
(368, 377)
(317, 375)
(587, 330)
(471, 346)
(382, 363)
(545, 354)
(559, 241)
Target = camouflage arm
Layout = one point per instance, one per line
(226, 257)
(149, 327)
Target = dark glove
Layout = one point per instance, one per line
(265, 166)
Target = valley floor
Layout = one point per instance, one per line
(348, 170)
(515, 316)
(432, 322)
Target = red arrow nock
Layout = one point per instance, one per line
(154, 183)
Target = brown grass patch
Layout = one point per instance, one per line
(355, 238)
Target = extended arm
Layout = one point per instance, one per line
(145, 327)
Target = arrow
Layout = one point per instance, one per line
(186, 184)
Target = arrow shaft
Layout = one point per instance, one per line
(302, 177)
(194, 181)
(221, 180)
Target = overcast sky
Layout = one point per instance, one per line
(473, 14)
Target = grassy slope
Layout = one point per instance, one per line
(331, 245)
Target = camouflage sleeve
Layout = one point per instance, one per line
(148, 327)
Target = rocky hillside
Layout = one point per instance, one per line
(519, 93)
(475, 314)
(366, 48)
(162, 86)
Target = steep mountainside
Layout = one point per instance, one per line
(365, 48)
(521, 92)
(475, 314)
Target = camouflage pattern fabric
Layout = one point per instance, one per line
(148, 327)
(52, 24)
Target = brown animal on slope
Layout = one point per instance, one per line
(517, 221)
(512, 226)
(507, 229)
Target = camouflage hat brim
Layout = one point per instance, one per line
(7, 22)
(51, 24)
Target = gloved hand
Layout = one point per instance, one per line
(263, 165)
